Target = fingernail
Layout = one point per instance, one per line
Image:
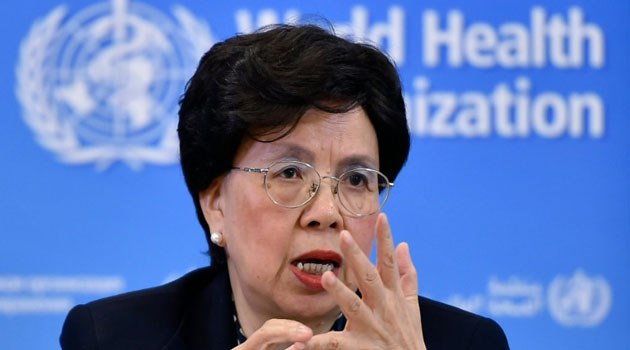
(329, 279)
(345, 235)
(299, 346)
(302, 331)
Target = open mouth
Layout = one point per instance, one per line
(315, 267)
(309, 267)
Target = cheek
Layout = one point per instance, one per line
(362, 231)
(256, 229)
(243, 214)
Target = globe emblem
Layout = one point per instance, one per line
(579, 300)
(103, 86)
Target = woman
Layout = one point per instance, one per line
(290, 139)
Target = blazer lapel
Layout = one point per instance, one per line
(208, 323)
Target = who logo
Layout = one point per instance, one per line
(579, 300)
(103, 85)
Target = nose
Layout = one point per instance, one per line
(323, 211)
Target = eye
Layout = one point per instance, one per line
(356, 179)
(289, 172)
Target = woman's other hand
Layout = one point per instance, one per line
(388, 316)
(278, 334)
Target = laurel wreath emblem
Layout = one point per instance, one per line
(58, 134)
(579, 300)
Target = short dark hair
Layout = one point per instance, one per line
(254, 84)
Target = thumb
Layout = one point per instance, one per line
(275, 332)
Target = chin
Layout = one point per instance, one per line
(310, 307)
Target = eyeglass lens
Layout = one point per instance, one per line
(292, 184)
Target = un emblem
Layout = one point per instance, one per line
(103, 85)
(579, 300)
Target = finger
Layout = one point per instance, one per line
(367, 275)
(331, 341)
(407, 271)
(385, 260)
(297, 346)
(408, 277)
(355, 310)
(277, 331)
(409, 284)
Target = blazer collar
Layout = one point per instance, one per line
(208, 322)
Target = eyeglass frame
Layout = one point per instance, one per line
(335, 189)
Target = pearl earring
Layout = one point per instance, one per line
(216, 238)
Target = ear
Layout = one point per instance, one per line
(211, 204)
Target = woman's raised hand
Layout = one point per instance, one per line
(388, 316)
(278, 334)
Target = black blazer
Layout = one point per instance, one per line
(195, 312)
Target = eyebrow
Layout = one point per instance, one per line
(293, 150)
(359, 161)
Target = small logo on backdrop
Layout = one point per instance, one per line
(579, 300)
(102, 85)
(53, 294)
(574, 301)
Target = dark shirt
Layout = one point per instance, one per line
(196, 312)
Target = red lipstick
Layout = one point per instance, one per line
(309, 267)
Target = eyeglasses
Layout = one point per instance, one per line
(292, 184)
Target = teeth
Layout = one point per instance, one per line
(314, 268)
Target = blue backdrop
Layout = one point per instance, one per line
(515, 200)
